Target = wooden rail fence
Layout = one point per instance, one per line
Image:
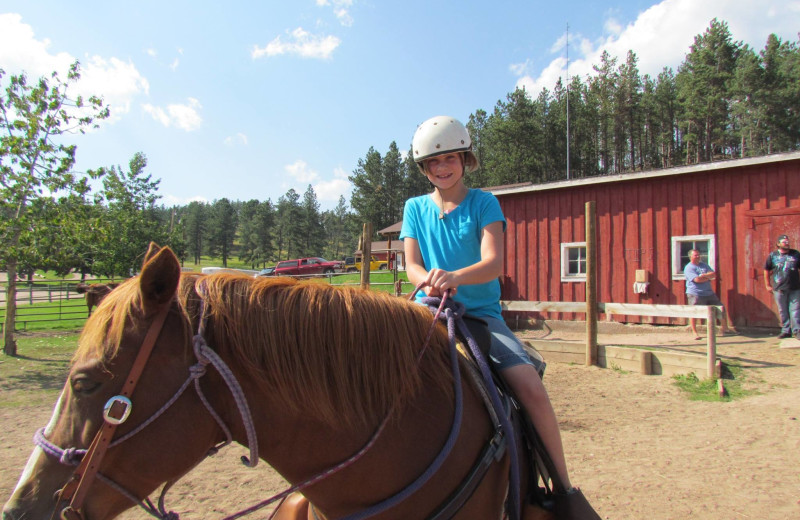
(705, 312)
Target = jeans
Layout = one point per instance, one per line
(789, 309)
(506, 349)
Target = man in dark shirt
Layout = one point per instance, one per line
(782, 269)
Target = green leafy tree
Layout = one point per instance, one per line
(704, 92)
(415, 183)
(196, 225)
(393, 173)
(749, 103)
(517, 139)
(76, 245)
(665, 113)
(289, 236)
(310, 225)
(368, 188)
(781, 66)
(222, 224)
(265, 220)
(132, 219)
(34, 163)
(176, 231)
(335, 223)
(248, 233)
(583, 135)
(628, 119)
(476, 125)
(602, 87)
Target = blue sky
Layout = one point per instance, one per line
(246, 100)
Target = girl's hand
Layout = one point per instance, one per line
(438, 281)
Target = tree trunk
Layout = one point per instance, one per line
(9, 343)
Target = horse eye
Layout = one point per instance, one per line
(84, 385)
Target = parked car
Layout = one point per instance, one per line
(307, 267)
(267, 271)
(353, 263)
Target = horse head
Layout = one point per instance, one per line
(156, 453)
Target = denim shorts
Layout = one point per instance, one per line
(694, 299)
(506, 350)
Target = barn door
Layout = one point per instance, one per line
(766, 229)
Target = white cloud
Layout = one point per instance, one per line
(519, 69)
(21, 51)
(330, 191)
(327, 191)
(661, 35)
(186, 116)
(118, 82)
(612, 26)
(172, 200)
(341, 9)
(301, 43)
(233, 140)
(300, 171)
(151, 52)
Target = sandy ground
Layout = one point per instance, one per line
(635, 445)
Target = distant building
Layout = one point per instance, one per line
(732, 211)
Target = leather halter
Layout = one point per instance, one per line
(115, 412)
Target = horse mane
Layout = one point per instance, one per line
(343, 355)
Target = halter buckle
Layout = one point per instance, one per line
(117, 409)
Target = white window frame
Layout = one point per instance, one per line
(677, 272)
(565, 276)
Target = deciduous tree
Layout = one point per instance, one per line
(35, 163)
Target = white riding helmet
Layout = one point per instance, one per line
(441, 135)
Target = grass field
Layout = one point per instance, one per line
(37, 374)
(58, 315)
(62, 314)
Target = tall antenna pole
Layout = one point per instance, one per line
(567, 100)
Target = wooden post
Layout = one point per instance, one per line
(646, 363)
(712, 340)
(366, 254)
(591, 286)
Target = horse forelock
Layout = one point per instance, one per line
(344, 355)
(119, 312)
(103, 332)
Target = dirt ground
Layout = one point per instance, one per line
(635, 444)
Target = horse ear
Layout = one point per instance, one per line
(152, 249)
(160, 276)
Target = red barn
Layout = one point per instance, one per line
(646, 223)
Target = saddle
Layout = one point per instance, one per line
(551, 499)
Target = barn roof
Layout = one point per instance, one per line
(664, 172)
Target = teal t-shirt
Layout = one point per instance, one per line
(454, 242)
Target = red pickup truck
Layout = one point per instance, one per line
(307, 267)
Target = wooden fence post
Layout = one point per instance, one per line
(712, 339)
(591, 286)
(366, 254)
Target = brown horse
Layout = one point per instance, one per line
(95, 293)
(320, 367)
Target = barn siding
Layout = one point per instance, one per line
(636, 218)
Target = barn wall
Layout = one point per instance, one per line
(636, 218)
